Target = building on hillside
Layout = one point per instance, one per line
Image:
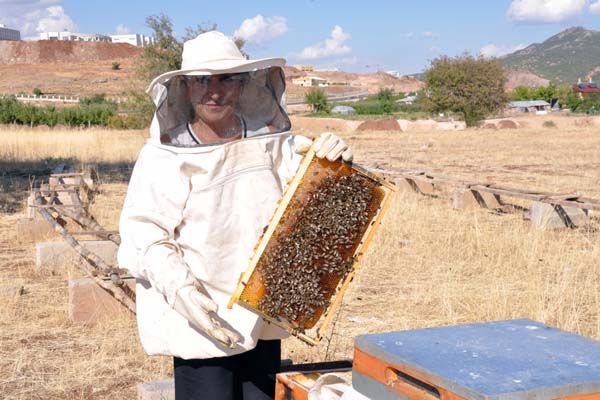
(304, 67)
(73, 36)
(308, 81)
(585, 88)
(134, 39)
(7, 33)
(395, 74)
(536, 106)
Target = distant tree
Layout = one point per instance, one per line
(116, 65)
(522, 93)
(165, 54)
(37, 91)
(467, 85)
(385, 94)
(317, 99)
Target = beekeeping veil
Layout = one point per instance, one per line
(261, 104)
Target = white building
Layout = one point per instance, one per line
(8, 33)
(133, 39)
(308, 81)
(73, 36)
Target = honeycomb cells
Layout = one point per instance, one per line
(298, 271)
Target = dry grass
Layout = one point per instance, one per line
(429, 266)
(20, 145)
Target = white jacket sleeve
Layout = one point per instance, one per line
(153, 209)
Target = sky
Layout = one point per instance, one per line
(362, 36)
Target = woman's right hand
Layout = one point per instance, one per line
(200, 311)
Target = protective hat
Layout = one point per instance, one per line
(261, 104)
(214, 53)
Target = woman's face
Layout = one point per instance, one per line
(215, 97)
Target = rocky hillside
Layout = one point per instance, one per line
(571, 54)
(46, 51)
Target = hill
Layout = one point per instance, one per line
(66, 68)
(565, 57)
(85, 68)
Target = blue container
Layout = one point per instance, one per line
(502, 360)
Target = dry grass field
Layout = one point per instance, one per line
(429, 265)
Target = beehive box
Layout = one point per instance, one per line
(310, 250)
(298, 380)
(501, 360)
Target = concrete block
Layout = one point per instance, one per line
(424, 187)
(89, 303)
(491, 200)
(54, 256)
(33, 230)
(404, 185)
(156, 390)
(547, 216)
(463, 199)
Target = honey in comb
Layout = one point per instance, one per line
(302, 269)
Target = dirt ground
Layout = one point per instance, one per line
(429, 265)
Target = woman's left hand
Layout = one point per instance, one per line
(330, 146)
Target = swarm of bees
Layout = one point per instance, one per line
(318, 249)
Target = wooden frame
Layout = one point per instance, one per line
(388, 188)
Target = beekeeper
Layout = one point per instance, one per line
(203, 188)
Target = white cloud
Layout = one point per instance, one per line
(545, 10)
(595, 7)
(121, 29)
(54, 19)
(333, 46)
(430, 35)
(34, 16)
(408, 35)
(491, 50)
(261, 29)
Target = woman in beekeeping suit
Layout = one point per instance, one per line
(203, 188)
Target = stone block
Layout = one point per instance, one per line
(156, 390)
(33, 230)
(90, 303)
(547, 216)
(54, 256)
(491, 200)
(463, 199)
(424, 186)
(404, 185)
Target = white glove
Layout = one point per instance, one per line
(332, 147)
(197, 309)
(328, 145)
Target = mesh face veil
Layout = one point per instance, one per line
(253, 101)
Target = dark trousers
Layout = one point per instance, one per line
(246, 376)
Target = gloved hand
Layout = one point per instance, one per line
(197, 309)
(330, 146)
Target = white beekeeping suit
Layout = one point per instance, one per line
(193, 213)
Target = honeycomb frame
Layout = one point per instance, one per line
(250, 286)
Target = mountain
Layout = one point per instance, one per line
(565, 57)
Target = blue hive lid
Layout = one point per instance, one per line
(519, 359)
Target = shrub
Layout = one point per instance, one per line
(549, 124)
(318, 100)
(116, 65)
(467, 85)
(37, 91)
